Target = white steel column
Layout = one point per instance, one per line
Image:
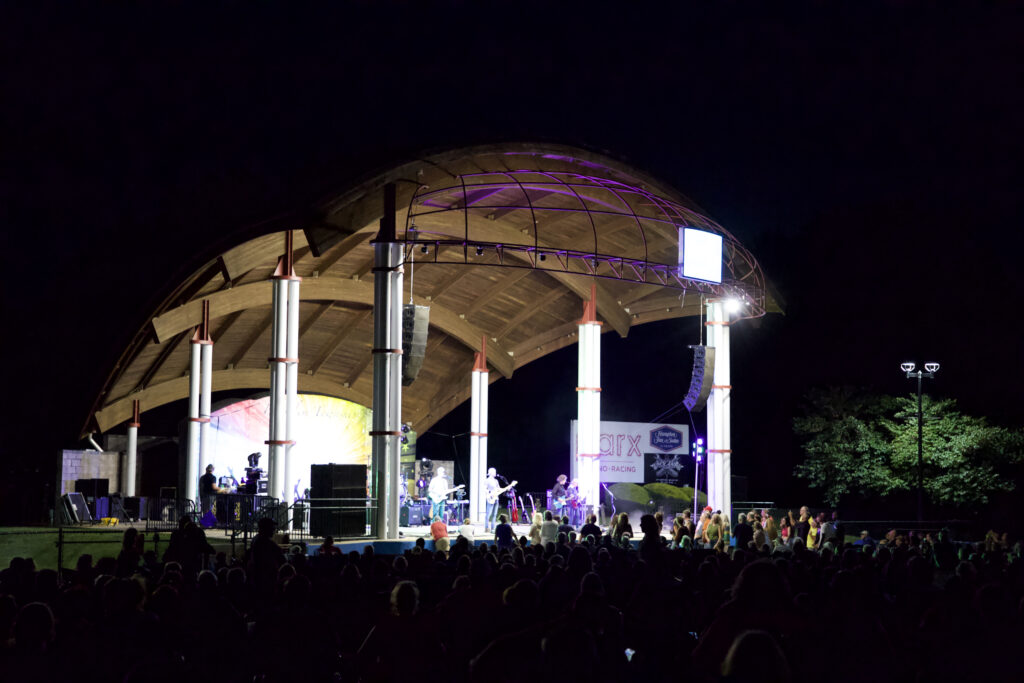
(719, 462)
(387, 371)
(281, 360)
(588, 401)
(479, 384)
(292, 403)
(192, 459)
(131, 453)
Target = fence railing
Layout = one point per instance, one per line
(337, 517)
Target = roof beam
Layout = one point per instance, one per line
(313, 317)
(339, 337)
(531, 310)
(503, 284)
(158, 363)
(326, 289)
(253, 337)
(223, 380)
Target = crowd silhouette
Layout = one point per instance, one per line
(601, 608)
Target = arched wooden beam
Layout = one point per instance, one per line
(325, 289)
(223, 380)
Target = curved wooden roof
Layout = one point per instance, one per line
(513, 237)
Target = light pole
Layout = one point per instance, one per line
(698, 455)
(929, 371)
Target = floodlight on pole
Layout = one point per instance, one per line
(929, 372)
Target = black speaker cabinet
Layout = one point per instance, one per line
(337, 481)
(415, 321)
(702, 378)
(337, 523)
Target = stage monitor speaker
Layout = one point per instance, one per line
(702, 378)
(411, 515)
(415, 321)
(337, 523)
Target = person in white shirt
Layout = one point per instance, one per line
(467, 531)
(438, 492)
(548, 529)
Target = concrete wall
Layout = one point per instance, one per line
(90, 465)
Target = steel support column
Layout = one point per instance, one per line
(387, 372)
(719, 462)
(588, 405)
(131, 453)
(199, 386)
(283, 369)
(479, 385)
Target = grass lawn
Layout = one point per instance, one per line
(40, 543)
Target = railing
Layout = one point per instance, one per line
(163, 514)
(338, 517)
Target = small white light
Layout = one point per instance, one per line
(908, 367)
(732, 305)
(931, 367)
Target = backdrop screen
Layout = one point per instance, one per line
(328, 430)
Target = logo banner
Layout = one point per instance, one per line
(624, 446)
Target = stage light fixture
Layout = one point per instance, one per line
(907, 367)
(424, 249)
(479, 250)
(732, 305)
(542, 256)
(931, 367)
(405, 428)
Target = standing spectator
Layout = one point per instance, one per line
(548, 529)
(802, 527)
(504, 536)
(713, 532)
(590, 528)
(534, 532)
(812, 533)
(760, 538)
(771, 530)
(565, 527)
(327, 548)
(829, 533)
(743, 532)
(621, 526)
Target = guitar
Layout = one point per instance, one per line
(439, 496)
(492, 496)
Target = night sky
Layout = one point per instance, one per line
(870, 161)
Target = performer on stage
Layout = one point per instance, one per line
(208, 489)
(558, 494)
(437, 492)
(491, 493)
(575, 503)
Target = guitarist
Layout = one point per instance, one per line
(558, 494)
(438, 491)
(492, 490)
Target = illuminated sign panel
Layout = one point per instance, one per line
(700, 255)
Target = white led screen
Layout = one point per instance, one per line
(700, 255)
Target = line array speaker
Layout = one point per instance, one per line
(702, 378)
(415, 321)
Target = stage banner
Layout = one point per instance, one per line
(640, 452)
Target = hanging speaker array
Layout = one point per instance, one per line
(702, 378)
(415, 321)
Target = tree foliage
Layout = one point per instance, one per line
(856, 443)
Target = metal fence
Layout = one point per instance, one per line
(337, 517)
